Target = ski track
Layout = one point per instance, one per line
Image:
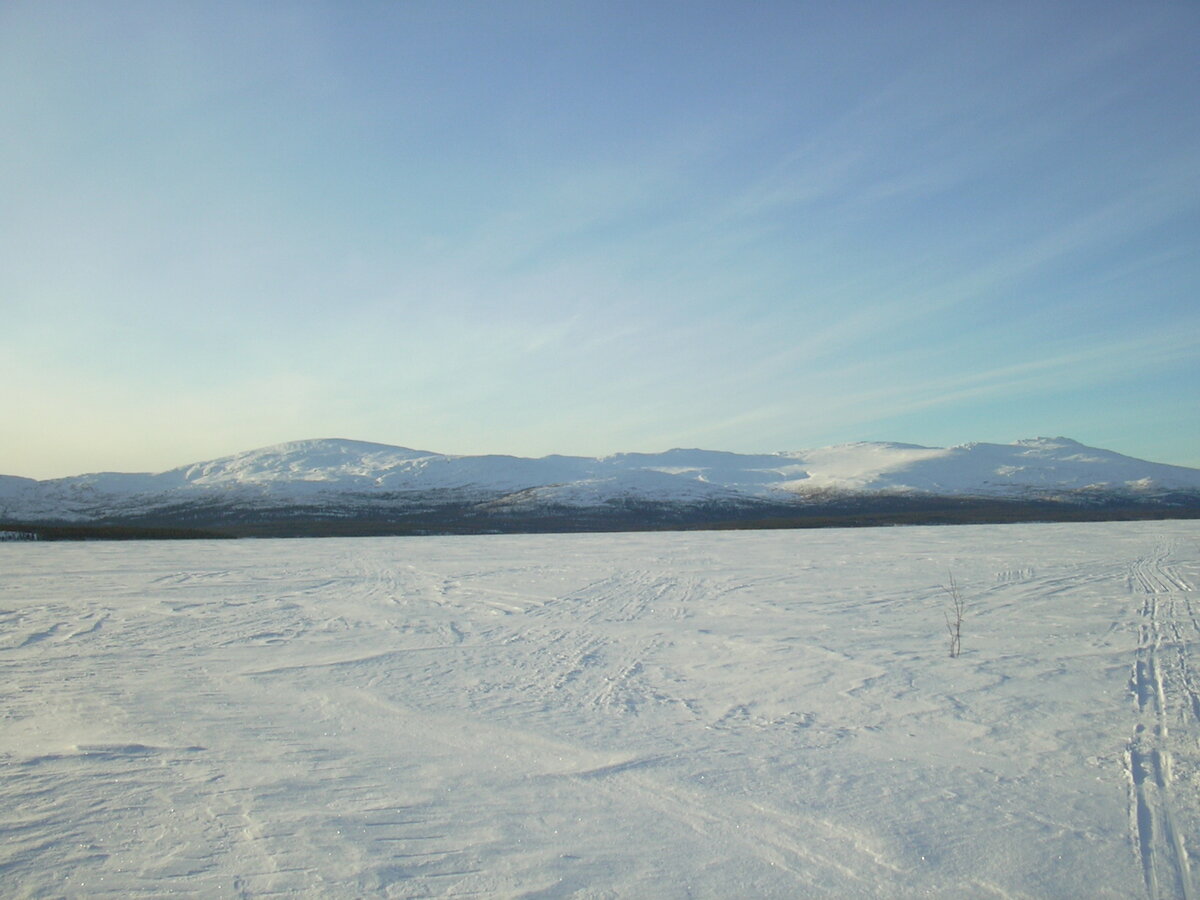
(653, 715)
(1165, 692)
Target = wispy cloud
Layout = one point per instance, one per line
(277, 220)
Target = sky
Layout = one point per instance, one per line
(594, 227)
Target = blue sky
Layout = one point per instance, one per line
(592, 227)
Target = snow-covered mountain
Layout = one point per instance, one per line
(337, 477)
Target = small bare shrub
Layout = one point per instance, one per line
(954, 616)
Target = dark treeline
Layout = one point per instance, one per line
(466, 518)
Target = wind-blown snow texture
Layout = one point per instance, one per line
(340, 472)
(719, 714)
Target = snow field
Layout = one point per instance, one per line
(710, 714)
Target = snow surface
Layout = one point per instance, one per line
(721, 714)
(330, 470)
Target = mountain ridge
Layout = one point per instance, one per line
(328, 479)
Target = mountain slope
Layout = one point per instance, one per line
(332, 478)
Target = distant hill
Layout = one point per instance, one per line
(335, 486)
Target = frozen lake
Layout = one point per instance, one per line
(720, 714)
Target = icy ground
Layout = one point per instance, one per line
(652, 715)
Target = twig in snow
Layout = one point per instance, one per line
(954, 617)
